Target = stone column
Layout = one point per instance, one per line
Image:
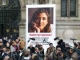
(23, 19)
(50, 1)
(47, 1)
(22, 3)
(35, 1)
(22, 30)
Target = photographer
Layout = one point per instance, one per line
(51, 47)
(57, 55)
(39, 53)
(61, 44)
(71, 55)
(41, 49)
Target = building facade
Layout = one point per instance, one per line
(10, 16)
(67, 17)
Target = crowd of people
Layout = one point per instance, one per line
(10, 47)
(14, 49)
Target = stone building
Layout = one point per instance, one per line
(67, 17)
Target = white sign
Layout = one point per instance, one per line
(40, 24)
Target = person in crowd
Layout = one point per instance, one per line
(11, 37)
(78, 50)
(67, 47)
(4, 41)
(37, 45)
(14, 50)
(1, 51)
(6, 58)
(58, 44)
(40, 21)
(26, 55)
(48, 52)
(1, 43)
(47, 58)
(14, 47)
(61, 44)
(22, 44)
(7, 53)
(37, 51)
(9, 41)
(75, 45)
(10, 59)
(72, 55)
(41, 49)
(17, 43)
(32, 49)
(57, 55)
(6, 38)
(78, 45)
(4, 50)
(35, 57)
(8, 45)
(51, 47)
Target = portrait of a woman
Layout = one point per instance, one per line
(40, 21)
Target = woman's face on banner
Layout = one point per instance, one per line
(41, 20)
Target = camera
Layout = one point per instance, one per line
(56, 38)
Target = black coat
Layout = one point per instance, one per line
(32, 49)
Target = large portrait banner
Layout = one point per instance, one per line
(40, 24)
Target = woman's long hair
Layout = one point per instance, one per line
(34, 17)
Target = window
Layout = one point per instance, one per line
(41, 1)
(72, 7)
(68, 8)
(63, 7)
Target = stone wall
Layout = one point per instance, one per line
(65, 26)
